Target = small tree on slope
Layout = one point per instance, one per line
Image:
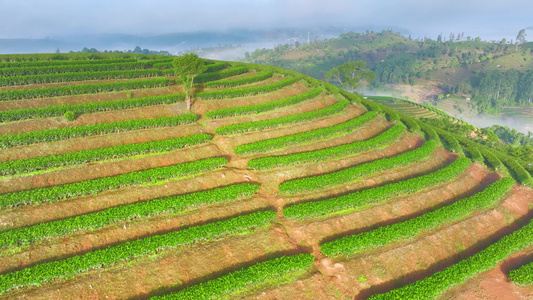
(349, 75)
(187, 67)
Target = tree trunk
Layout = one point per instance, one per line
(189, 102)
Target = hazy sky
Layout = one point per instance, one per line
(40, 18)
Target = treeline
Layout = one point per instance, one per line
(497, 88)
(137, 50)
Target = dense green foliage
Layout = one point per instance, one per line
(522, 275)
(260, 125)
(50, 135)
(396, 68)
(84, 89)
(498, 160)
(486, 259)
(322, 154)
(498, 139)
(257, 108)
(474, 154)
(80, 157)
(243, 278)
(516, 169)
(450, 142)
(240, 81)
(85, 108)
(429, 132)
(492, 159)
(492, 90)
(364, 197)
(287, 140)
(70, 115)
(59, 192)
(352, 173)
(384, 235)
(66, 268)
(234, 93)
(99, 219)
(350, 74)
(459, 66)
(410, 123)
(77, 76)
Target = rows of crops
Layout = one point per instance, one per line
(522, 275)
(50, 135)
(322, 154)
(211, 76)
(60, 192)
(66, 268)
(78, 76)
(298, 138)
(23, 71)
(245, 92)
(488, 258)
(244, 278)
(103, 218)
(85, 108)
(271, 123)
(384, 235)
(200, 205)
(48, 63)
(365, 197)
(91, 88)
(347, 175)
(258, 108)
(81, 157)
(240, 81)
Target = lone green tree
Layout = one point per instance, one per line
(521, 37)
(350, 74)
(188, 66)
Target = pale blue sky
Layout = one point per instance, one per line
(38, 18)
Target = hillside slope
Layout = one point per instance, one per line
(482, 82)
(274, 186)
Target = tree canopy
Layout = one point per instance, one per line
(187, 67)
(350, 74)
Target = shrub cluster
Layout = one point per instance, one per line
(522, 275)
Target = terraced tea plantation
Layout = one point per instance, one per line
(273, 186)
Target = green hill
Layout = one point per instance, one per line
(274, 185)
(488, 77)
